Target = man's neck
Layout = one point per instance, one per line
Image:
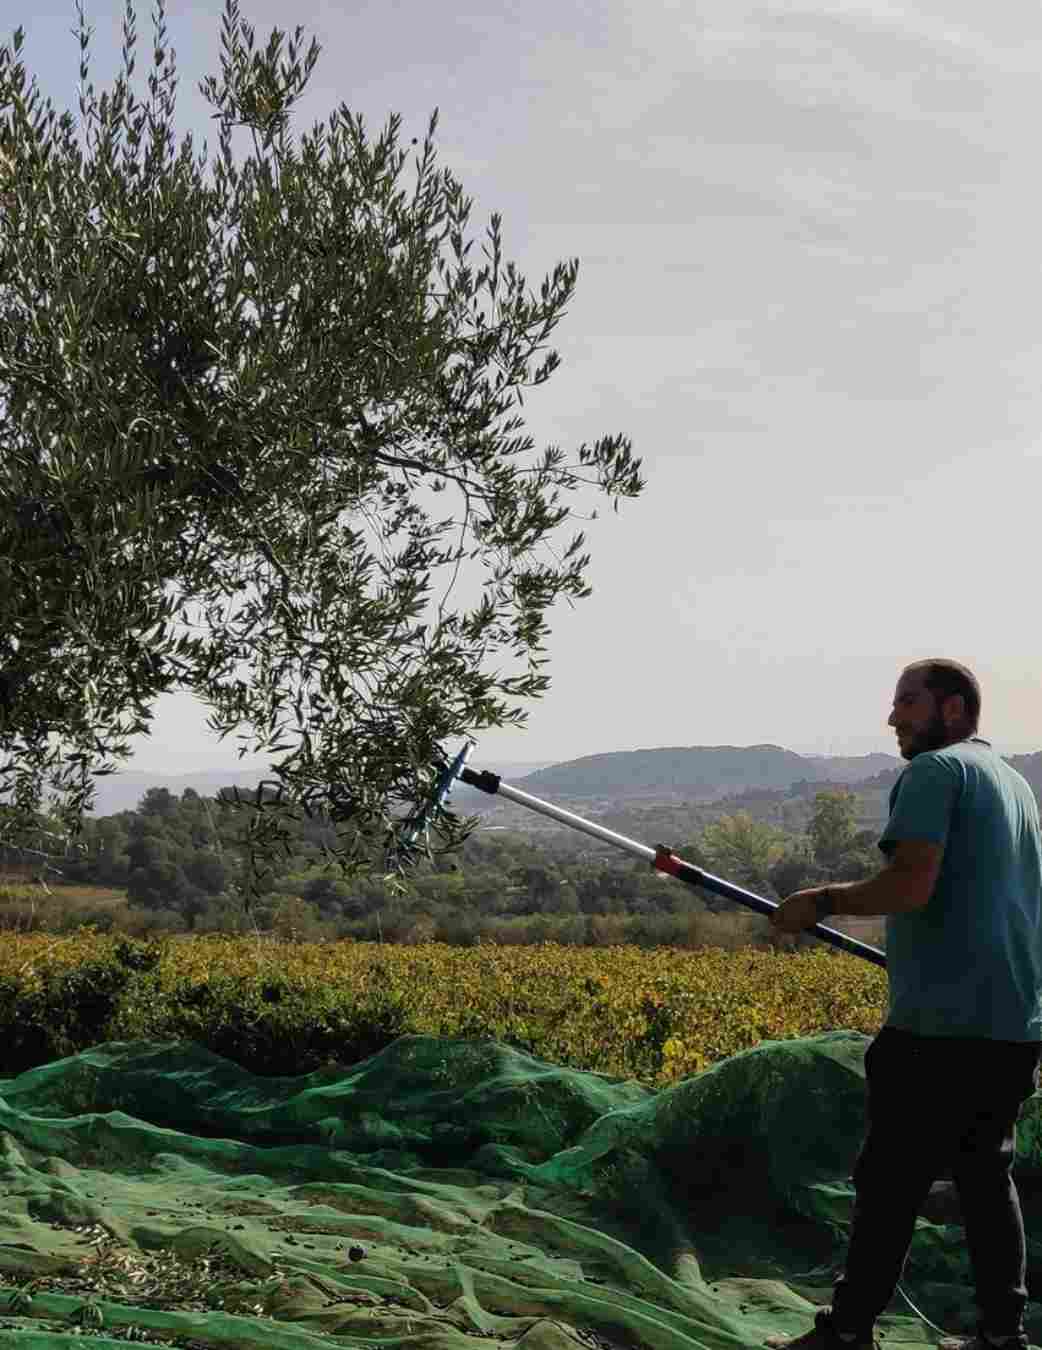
(957, 738)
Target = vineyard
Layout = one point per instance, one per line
(288, 1007)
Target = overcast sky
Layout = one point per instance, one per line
(809, 292)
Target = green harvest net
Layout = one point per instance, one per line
(451, 1195)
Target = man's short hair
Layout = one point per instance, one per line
(944, 678)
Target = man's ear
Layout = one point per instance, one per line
(954, 709)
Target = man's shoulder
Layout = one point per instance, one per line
(959, 756)
(959, 752)
(936, 763)
(977, 762)
(931, 774)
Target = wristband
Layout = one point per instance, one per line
(824, 905)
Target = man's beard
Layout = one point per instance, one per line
(934, 736)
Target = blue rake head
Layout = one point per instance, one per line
(443, 787)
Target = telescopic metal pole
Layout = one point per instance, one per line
(661, 858)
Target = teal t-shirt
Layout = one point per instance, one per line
(969, 963)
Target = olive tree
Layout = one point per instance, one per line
(262, 440)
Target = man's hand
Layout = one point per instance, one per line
(797, 911)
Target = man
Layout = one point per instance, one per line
(959, 1052)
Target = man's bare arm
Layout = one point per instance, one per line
(905, 884)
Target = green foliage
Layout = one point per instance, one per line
(283, 1008)
(794, 870)
(327, 893)
(743, 850)
(61, 1010)
(833, 825)
(298, 381)
(502, 886)
(275, 1025)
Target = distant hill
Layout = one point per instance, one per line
(855, 768)
(698, 771)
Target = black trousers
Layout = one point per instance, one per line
(939, 1106)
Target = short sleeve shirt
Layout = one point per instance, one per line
(969, 963)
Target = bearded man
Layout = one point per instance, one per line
(959, 1052)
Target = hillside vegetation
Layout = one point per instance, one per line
(174, 866)
(175, 863)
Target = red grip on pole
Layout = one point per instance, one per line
(666, 860)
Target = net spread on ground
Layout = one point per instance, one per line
(451, 1195)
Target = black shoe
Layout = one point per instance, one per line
(981, 1342)
(824, 1336)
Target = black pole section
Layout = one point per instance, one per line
(668, 862)
(664, 860)
(486, 781)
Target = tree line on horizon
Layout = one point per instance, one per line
(178, 859)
